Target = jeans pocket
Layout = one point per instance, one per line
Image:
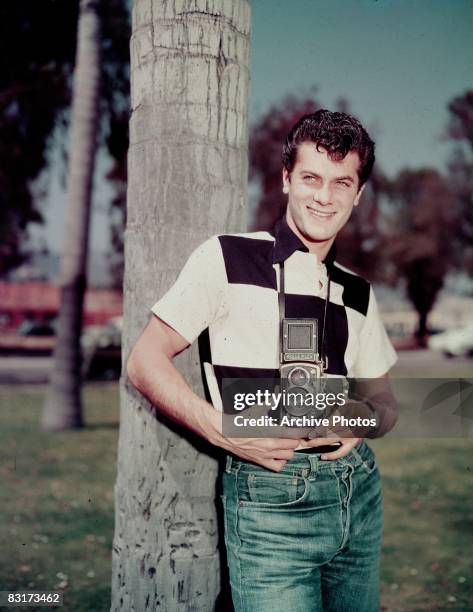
(275, 490)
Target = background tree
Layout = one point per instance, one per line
(34, 90)
(461, 177)
(423, 215)
(187, 180)
(461, 121)
(63, 407)
(35, 97)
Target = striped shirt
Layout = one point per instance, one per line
(229, 289)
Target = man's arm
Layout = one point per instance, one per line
(377, 395)
(151, 370)
(375, 399)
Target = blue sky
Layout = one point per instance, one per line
(398, 62)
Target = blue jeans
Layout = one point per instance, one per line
(306, 539)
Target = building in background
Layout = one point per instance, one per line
(38, 302)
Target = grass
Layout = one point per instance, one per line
(56, 499)
(427, 561)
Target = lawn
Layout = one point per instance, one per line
(57, 509)
(427, 561)
(57, 498)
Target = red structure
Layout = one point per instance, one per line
(39, 301)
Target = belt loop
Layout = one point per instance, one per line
(356, 459)
(314, 464)
(228, 467)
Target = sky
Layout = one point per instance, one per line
(397, 62)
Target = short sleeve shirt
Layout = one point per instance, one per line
(229, 286)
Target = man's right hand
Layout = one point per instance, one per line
(271, 453)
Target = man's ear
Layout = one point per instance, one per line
(358, 195)
(285, 180)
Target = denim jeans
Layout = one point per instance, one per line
(306, 539)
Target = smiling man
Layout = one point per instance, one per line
(303, 515)
(321, 195)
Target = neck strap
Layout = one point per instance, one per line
(282, 313)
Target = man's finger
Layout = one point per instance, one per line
(276, 465)
(346, 447)
(321, 441)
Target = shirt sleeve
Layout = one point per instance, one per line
(197, 298)
(376, 354)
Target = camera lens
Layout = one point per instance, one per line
(299, 377)
(294, 404)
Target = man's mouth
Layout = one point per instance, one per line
(320, 214)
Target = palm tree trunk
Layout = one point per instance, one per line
(187, 180)
(63, 407)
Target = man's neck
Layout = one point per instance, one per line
(319, 248)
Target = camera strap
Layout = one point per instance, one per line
(282, 314)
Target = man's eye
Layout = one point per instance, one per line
(343, 183)
(309, 178)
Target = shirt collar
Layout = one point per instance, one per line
(287, 242)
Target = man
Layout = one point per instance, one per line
(302, 521)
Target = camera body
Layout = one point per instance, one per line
(301, 369)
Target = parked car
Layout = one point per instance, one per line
(36, 328)
(101, 350)
(30, 338)
(457, 342)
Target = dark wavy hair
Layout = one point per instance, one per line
(337, 133)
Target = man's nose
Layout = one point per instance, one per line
(323, 195)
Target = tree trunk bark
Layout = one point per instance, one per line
(187, 180)
(421, 333)
(63, 406)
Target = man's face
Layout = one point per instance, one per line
(321, 194)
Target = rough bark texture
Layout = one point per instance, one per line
(63, 407)
(187, 180)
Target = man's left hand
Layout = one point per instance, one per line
(348, 444)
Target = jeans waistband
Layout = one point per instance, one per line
(303, 460)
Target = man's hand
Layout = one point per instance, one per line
(274, 452)
(358, 420)
(348, 444)
(271, 453)
(343, 434)
(275, 445)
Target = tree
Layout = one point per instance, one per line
(63, 407)
(423, 216)
(35, 96)
(461, 121)
(461, 176)
(33, 92)
(187, 180)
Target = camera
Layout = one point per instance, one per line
(301, 369)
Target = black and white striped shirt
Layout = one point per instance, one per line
(229, 285)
